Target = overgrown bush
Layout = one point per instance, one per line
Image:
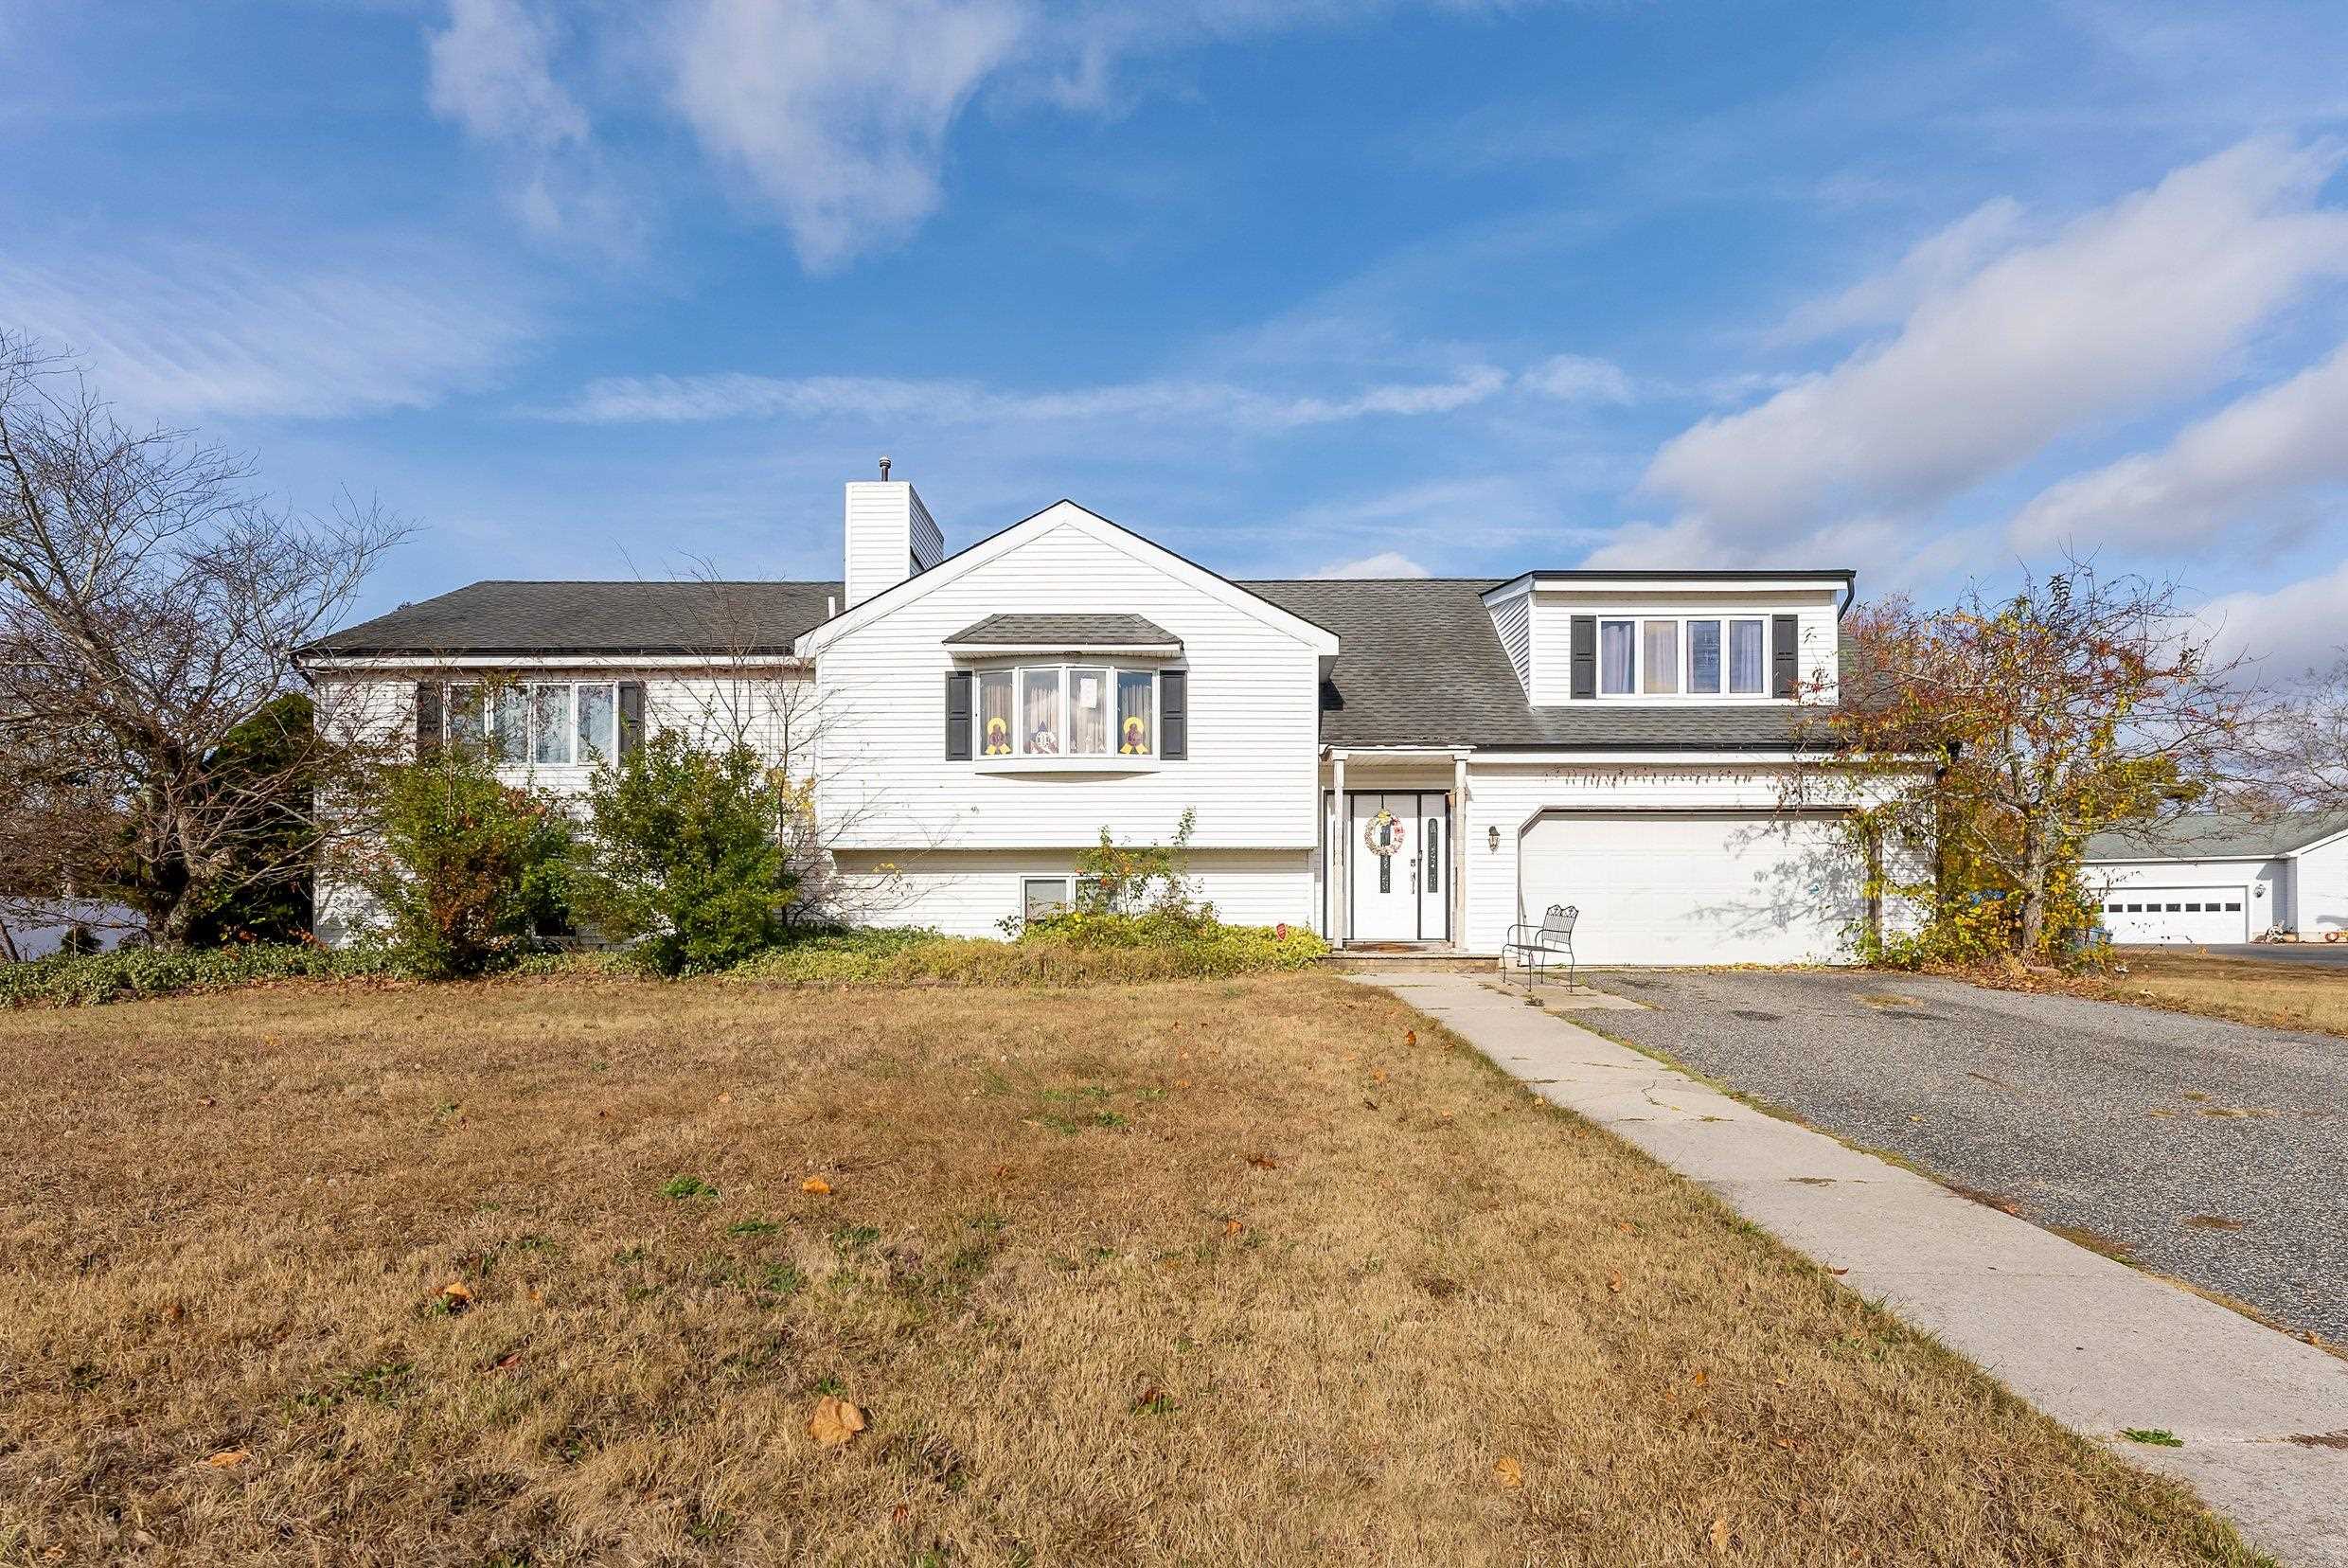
(683, 858)
(469, 867)
(921, 957)
(133, 974)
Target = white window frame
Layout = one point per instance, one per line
(1065, 729)
(526, 753)
(1637, 620)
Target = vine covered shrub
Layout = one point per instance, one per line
(683, 857)
(134, 973)
(469, 868)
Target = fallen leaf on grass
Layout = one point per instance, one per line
(454, 1295)
(815, 1185)
(1233, 1227)
(1509, 1472)
(1699, 1379)
(537, 1296)
(1264, 1162)
(1614, 1282)
(173, 1312)
(1625, 1227)
(1720, 1538)
(229, 1458)
(1838, 1273)
(835, 1421)
(507, 1362)
(1410, 1037)
(725, 1097)
(1377, 1075)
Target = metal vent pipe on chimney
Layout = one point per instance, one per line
(884, 465)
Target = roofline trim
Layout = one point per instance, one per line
(583, 658)
(811, 642)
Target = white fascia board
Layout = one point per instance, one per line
(1511, 589)
(1060, 514)
(368, 663)
(2323, 842)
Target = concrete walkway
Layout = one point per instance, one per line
(2094, 1343)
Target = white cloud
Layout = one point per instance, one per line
(834, 115)
(200, 331)
(836, 111)
(2256, 450)
(677, 399)
(2293, 629)
(1389, 563)
(1933, 266)
(2140, 299)
(1578, 378)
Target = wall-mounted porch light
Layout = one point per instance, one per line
(1491, 839)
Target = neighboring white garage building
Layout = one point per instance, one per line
(2223, 877)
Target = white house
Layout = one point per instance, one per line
(1421, 761)
(2223, 877)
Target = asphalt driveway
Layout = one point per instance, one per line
(2334, 954)
(2211, 1151)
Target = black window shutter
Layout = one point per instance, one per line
(1174, 715)
(427, 719)
(631, 717)
(957, 716)
(1585, 655)
(1784, 655)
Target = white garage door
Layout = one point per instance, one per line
(1694, 887)
(2177, 914)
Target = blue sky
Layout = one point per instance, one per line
(1294, 286)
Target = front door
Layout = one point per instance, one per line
(1397, 893)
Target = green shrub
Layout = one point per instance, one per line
(133, 974)
(682, 856)
(921, 957)
(469, 867)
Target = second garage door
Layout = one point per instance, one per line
(1695, 887)
(2177, 913)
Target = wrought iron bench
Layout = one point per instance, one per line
(1537, 947)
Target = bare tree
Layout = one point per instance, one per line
(151, 602)
(2075, 702)
(2302, 748)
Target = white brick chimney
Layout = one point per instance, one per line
(890, 537)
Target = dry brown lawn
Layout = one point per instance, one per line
(1188, 1273)
(2248, 991)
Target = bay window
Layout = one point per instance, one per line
(1064, 711)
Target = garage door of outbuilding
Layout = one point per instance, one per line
(1695, 887)
(2193, 914)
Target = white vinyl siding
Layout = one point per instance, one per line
(1253, 730)
(1512, 618)
(970, 893)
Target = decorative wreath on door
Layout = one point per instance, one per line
(1384, 834)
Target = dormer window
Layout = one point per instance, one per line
(1675, 657)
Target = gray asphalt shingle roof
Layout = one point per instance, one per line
(1420, 663)
(2217, 835)
(1105, 631)
(595, 617)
